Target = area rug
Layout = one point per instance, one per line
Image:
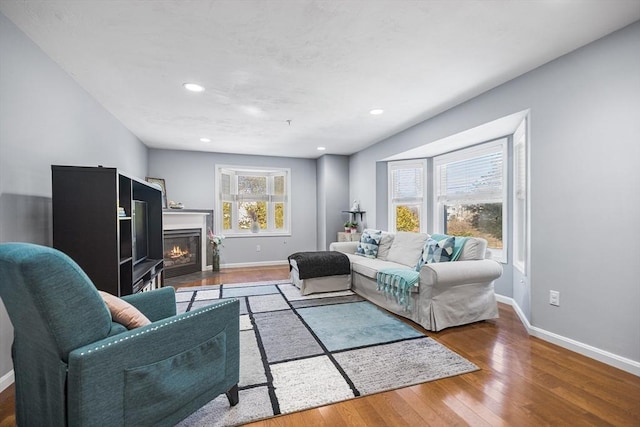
(299, 352)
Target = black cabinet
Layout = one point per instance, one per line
(95, 222)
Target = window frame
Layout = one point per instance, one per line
(520, 191)
(420, 201)
(474, 151)
(271, 199)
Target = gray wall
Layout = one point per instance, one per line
(190, 179)
(585, 202)
(333, 198)
(45, 119)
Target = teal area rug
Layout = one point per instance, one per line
(299, 352)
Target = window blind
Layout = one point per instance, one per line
(474, 179)
(521, 171)
(407, 183)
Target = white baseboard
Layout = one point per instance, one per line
(254, 264)
(587, 350)
(248, 264)
(6, 380)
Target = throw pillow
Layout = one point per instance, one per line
(436, 251)
(123, 312)
(406, 248)
(369, 242)
(385, 245)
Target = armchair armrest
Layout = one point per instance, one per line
(344, 247)
(459, 272)
(156, 304)
(156, 374)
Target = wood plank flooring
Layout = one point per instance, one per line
(523, 381)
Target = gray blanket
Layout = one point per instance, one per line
(320, 264)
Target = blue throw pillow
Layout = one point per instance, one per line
(436, 251)
(369, 242)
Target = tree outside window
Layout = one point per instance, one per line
(249, 196)
(408, 218)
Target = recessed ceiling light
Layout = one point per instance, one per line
(205, 140)
(322, 148)
(193, 87)
(376, 111)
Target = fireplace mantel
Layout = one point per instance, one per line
(188, 220)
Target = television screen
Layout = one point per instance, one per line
(140, 238)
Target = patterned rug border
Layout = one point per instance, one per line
(218, 413)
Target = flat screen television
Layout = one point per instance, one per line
(140, 231)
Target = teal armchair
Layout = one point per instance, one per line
(74, 366)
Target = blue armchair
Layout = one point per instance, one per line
(74, 366)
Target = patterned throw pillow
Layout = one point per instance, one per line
(436, 251)
(369, 242)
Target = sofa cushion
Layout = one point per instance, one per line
(369, 267)
(406, 248)
(436, 251)
(474, 249)
(385, 245)
(369, 241)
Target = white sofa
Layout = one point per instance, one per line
(448, 294)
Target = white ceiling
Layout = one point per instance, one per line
(320, 64)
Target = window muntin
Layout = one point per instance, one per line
(470, 197)
(246, 195)
(407, 193)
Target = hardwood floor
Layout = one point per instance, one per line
(523, 381)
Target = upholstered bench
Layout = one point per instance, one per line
(322, 271)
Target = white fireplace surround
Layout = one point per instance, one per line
(189, 220)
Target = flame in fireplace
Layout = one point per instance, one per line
(177, 252)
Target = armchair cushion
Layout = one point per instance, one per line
(124, 313)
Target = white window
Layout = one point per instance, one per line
(520, 197)
(470, 194)
(250, 200)
(407, 190)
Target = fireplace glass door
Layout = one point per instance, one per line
(182, 252)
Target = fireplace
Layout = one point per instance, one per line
(182, 252)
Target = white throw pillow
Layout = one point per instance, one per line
(406, 248)
(474, 249)
(385, 245)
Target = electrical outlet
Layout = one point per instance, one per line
(554, 298)
(258, 248)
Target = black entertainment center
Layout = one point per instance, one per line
(111, 225)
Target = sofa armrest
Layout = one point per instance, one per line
(344, 247)
(459, 272)
(153, 372)
(156, 304)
